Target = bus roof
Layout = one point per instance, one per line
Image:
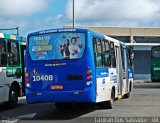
(57, 30)
(74, 30)
(64, 30)
(12, 37)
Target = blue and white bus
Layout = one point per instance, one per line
(67, 65)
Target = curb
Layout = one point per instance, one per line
(142, 81)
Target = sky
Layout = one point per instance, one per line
(36, 15)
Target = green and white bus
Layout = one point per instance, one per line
(155, 63)
(12, 52)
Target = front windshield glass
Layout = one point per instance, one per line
(55, 46)
(156, 52)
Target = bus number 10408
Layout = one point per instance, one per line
(43, 78)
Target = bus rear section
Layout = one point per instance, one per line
(155, 63)
(57, 69)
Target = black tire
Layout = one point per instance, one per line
(111, 101)
(127, 95)
(108, 104)
(13, 99)
(154, 80)
(63, 106)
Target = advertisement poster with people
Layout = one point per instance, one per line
(56, 46)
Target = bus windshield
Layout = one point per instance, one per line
(54, 46)
(156, 53)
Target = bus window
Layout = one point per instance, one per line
(122, 54)
(103, 52)
(112, 55)
(57, 46)
(107, 45)
(98, 51)
(13, 53)
(103, 46)
(3, 56)
(95, 50)
(95, 45)
(129, 58)
(107, 59)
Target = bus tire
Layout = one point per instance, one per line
(63, 106)
(112, 99)
(13, 99)
(127, 95)
(108, 104)
(154, 80)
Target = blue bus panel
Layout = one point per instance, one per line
(58, 74)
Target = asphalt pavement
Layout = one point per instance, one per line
(143, 104)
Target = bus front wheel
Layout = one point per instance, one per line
(154, 80)
(13, 99)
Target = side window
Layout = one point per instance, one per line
(122, 53)
(98, 51)
(107, 58)
(95, 50)
(103, 46)
(13, 53)
(112, 55)
(3, 55)
(129, 58)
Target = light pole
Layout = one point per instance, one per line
(73, 14)
(17, 28)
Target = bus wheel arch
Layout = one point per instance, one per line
(13, 95)
(113, 93)
(15, 86)
(112, 98)
(110, 103)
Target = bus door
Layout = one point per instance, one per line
(2, 84)
(113, 70)
(129, 68)
(13, 68)
(3, 63)
(119, 69)
(125, 68)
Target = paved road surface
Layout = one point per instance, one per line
(144, 102)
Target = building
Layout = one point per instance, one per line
(142, 39)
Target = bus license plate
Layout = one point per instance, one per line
(56, 87)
